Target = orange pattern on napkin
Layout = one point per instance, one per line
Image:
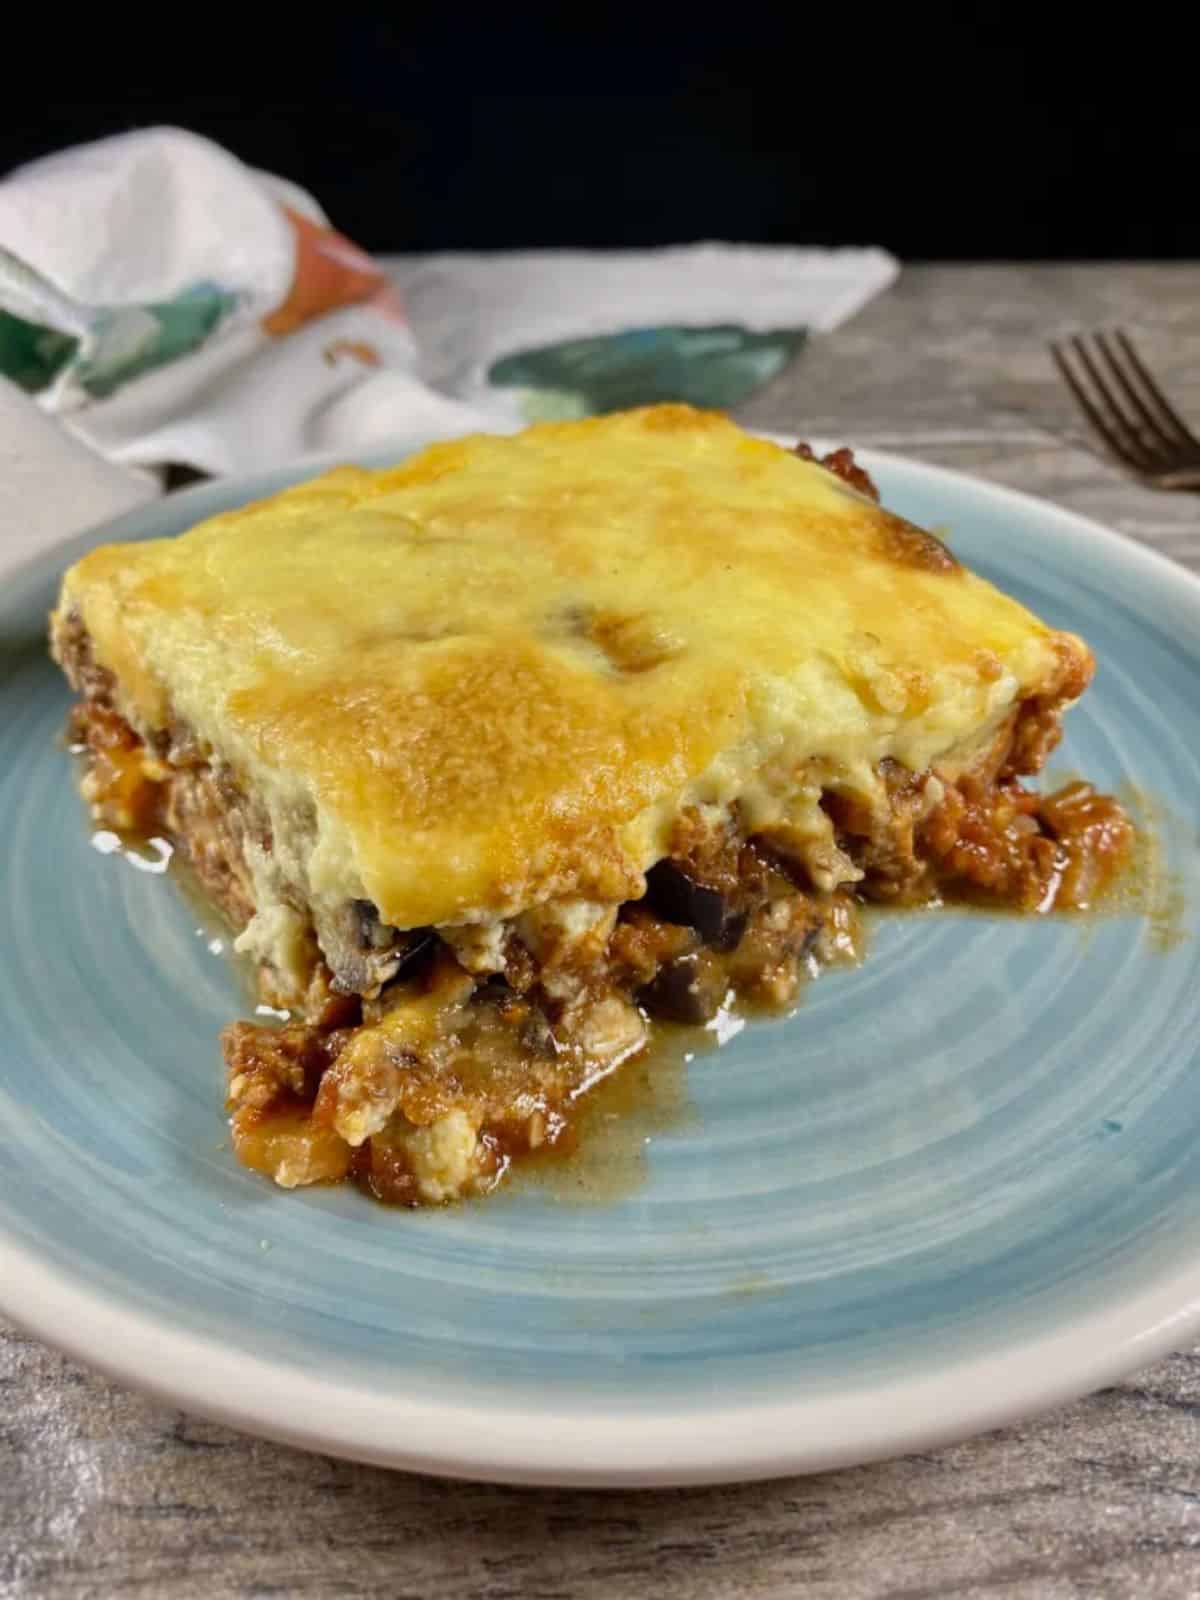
(330, 272)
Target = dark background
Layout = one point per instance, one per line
(980, 134)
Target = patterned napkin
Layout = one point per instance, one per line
(167, 303)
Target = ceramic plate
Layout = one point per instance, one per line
(960, 1184)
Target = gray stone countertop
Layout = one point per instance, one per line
(104, 1493)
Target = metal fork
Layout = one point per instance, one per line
(1129, 411)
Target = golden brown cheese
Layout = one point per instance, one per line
(492, 676)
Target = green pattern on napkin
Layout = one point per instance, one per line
(718, 366)
(168, 330)
(30, 355)
(122, 342)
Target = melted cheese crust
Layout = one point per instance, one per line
(493, 675)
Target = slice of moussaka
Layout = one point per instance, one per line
(499, 756)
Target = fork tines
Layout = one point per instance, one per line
(1125, 405)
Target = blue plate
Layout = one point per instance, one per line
(958, 1185)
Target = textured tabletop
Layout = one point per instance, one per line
(103, 1493)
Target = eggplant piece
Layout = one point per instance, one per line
(418, 946)
(691, 988)
(730, 935)
(675, 897)
(376, 938)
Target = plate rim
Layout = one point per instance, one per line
(567, 1448)
(573, 1450)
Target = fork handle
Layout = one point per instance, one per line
(1184, 478)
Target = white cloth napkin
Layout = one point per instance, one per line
(51, 483)
(467, 311)
(162, 302)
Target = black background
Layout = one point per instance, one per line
(979, 134)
